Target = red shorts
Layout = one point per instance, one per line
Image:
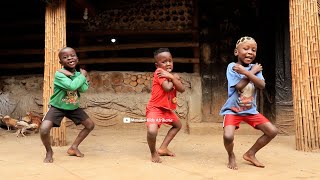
(159, 116)
(253, 120)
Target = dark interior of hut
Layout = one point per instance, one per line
(23, 36)
(220, 22)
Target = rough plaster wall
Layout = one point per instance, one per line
(19, 95)
(111, 96)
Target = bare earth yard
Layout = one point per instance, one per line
(122, 153)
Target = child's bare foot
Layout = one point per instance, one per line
(252, 159)
(165, 152)
(232, 162)
(74, 152)
(156, 158)
(48, 158)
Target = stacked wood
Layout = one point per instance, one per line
(116, 78)
(97, 82)
(55, 39)
(305, 60)
(165, 14)
(120, 82)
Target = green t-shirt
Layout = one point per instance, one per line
(67, 89)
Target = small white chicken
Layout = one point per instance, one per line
(23, 127)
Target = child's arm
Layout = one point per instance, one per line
(64, 82)
(85, 85)
(250, 76)
(177, 83)
(173, 80)
(65, 72)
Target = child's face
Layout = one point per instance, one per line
(246, 52)
(164, 61)
(68, 58)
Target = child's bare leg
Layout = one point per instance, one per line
(228, 137)
(45, 137)
(163, 150)
(270, 131)
(88, 127)
(152, 138)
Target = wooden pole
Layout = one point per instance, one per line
(195, 24)
(55, 39)
(305, 59)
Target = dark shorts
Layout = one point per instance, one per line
(55, 115)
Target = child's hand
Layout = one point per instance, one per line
(256, 68)
(83, 72)
(65, 72)
(164, 74)
(88, 79)
(239, 69)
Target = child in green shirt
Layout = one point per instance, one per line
(68, 84)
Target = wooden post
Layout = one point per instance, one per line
(55, 39)
(195, 24)
(305, 70)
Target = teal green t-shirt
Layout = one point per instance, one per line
(67, 89)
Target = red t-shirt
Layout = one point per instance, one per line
(161, 98)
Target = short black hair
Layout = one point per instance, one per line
(64, 48)
(160, 50)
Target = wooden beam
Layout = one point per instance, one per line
(10, 52)
(18, 38)
(34, 22)
(195, 24)
(137, 46)
(29, 37)
(98, 61)
(99, 33)
(135, 32)
(22, 65)
(15, 52)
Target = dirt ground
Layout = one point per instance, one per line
(122, 153)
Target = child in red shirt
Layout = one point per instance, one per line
(163, 100)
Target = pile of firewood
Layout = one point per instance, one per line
(121, 82)
(139, 82)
